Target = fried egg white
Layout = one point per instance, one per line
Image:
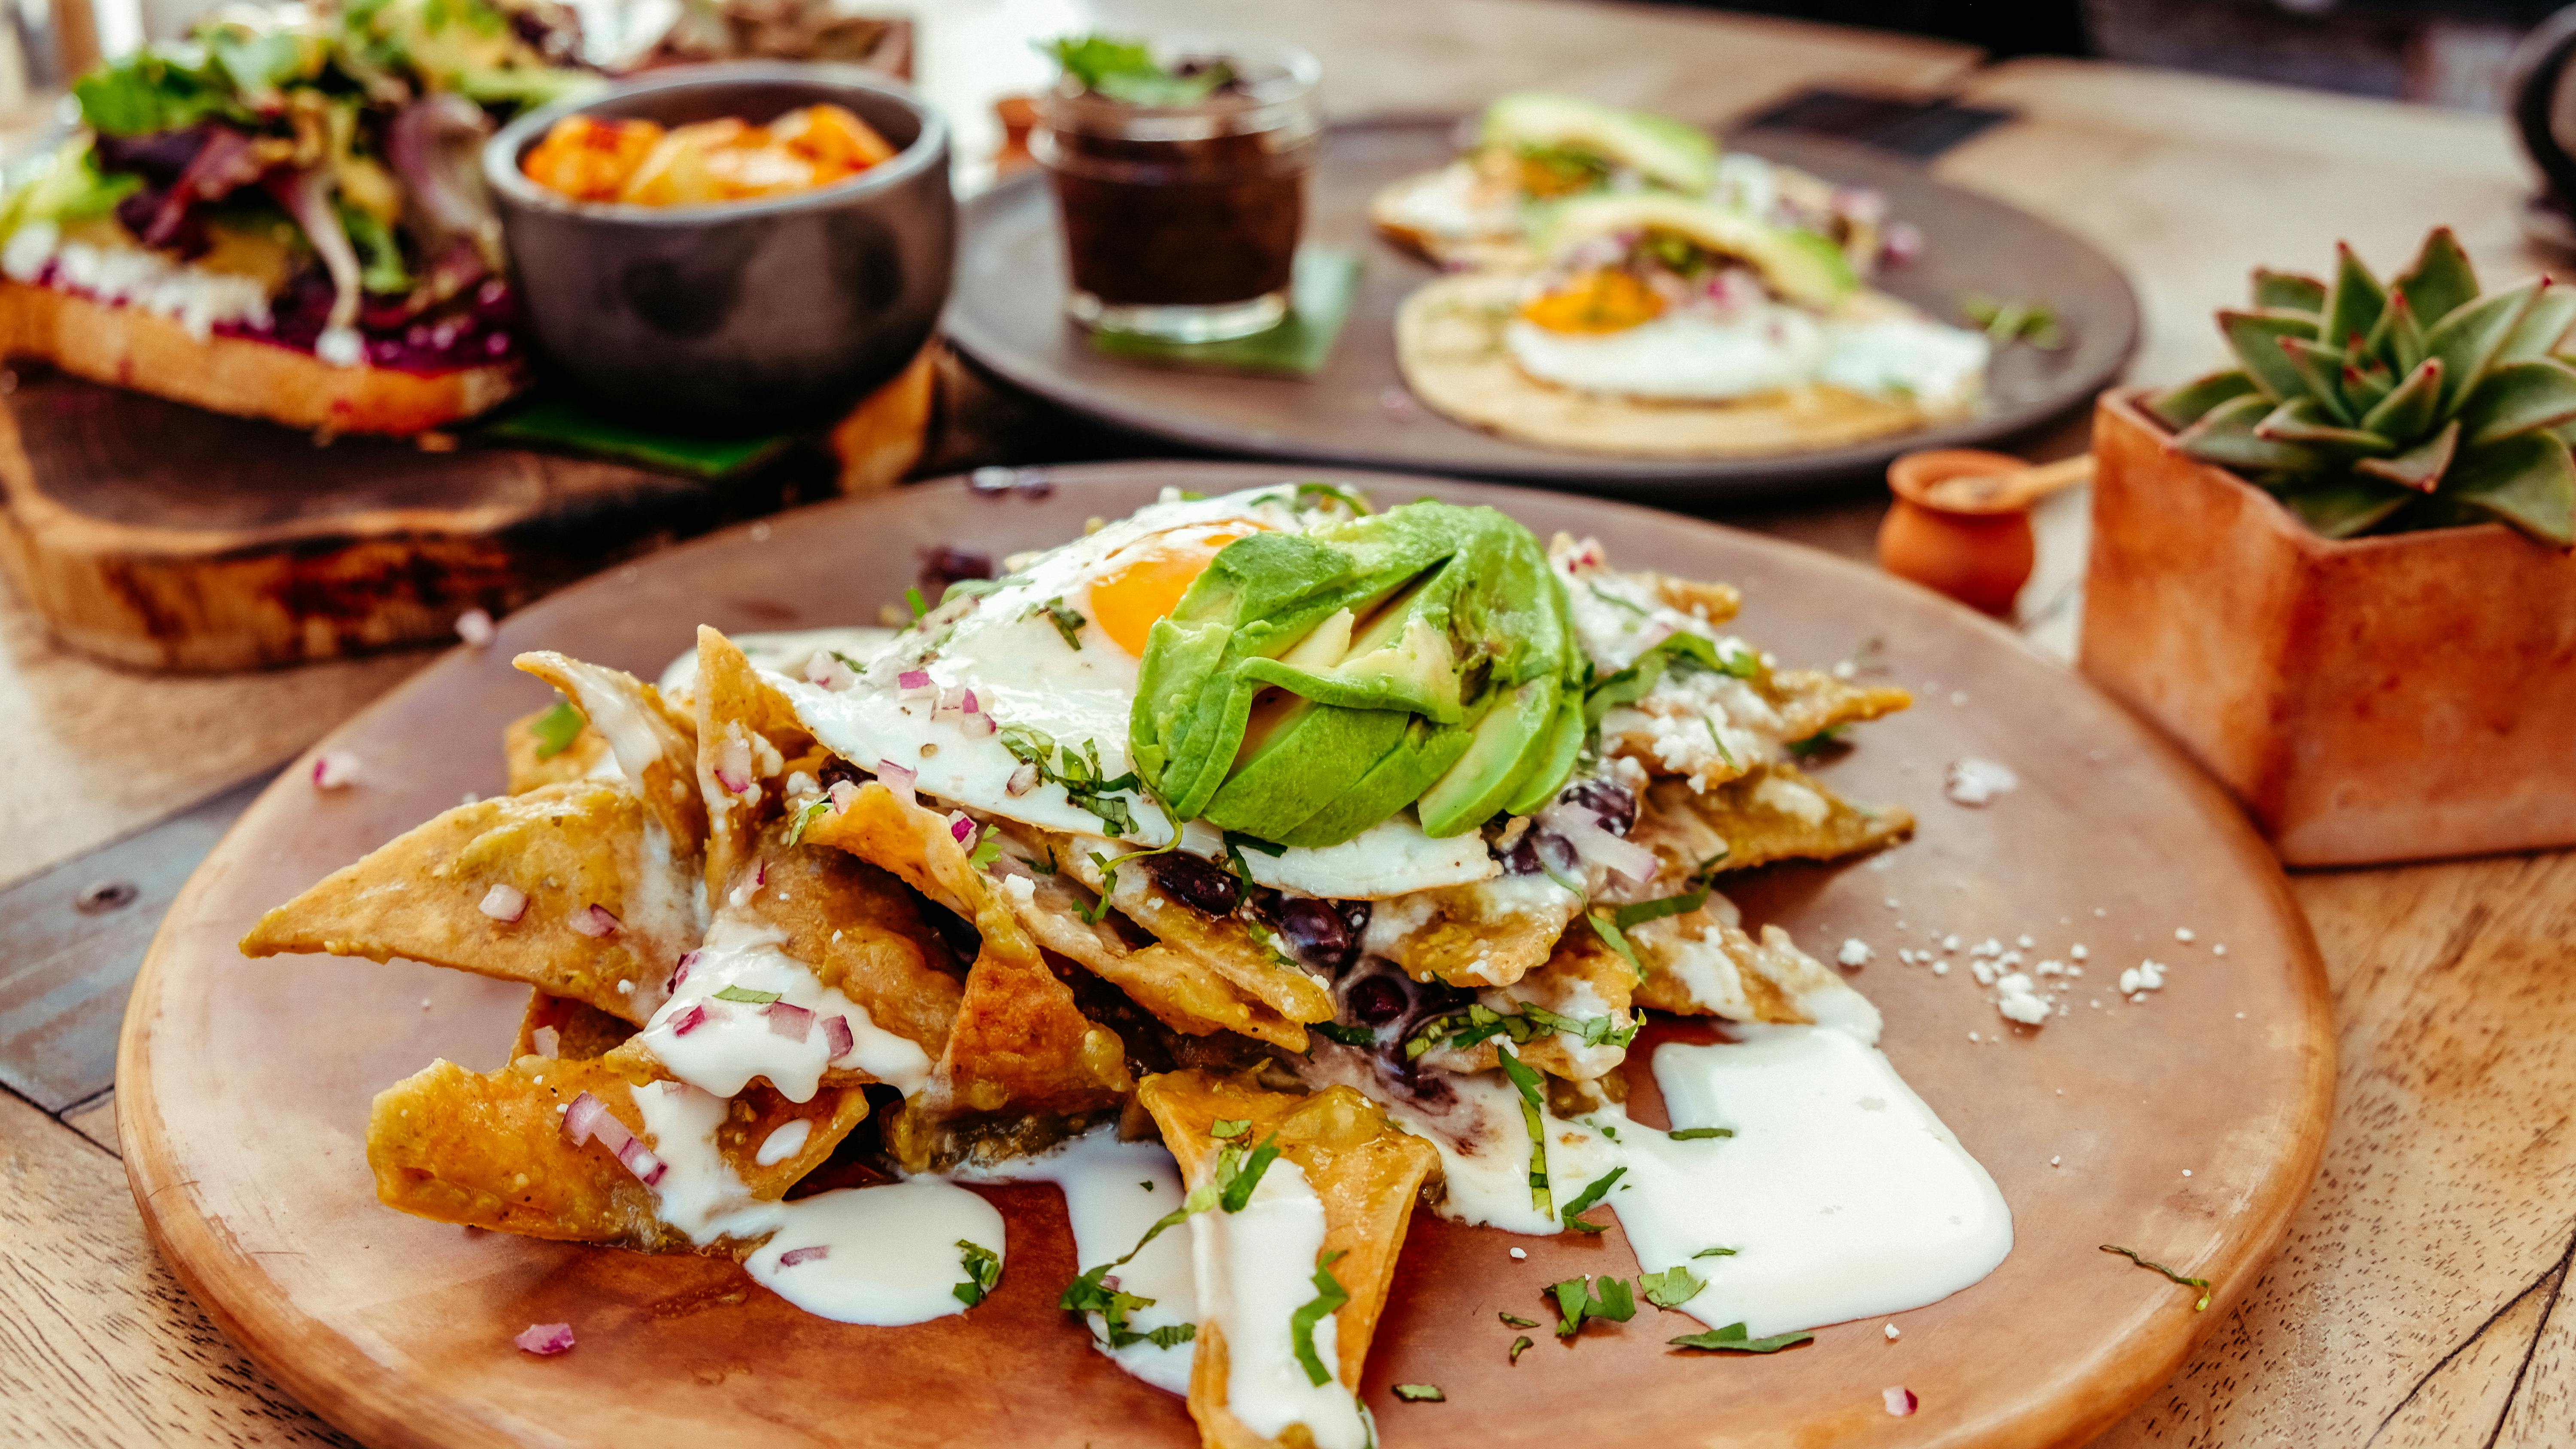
(1010, 647)
(1701, 356)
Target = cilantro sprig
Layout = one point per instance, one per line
(1588, 1198)
(1229, 1185)
(1085, 783)
(1685, 651)
(1068, 622)
(2200, 1283)
(1124, 70)
(1525, 1080)
(1670, 1288)
(1579, 1300)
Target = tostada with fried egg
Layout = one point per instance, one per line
(1661, 326)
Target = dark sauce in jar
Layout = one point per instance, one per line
(1184, 206)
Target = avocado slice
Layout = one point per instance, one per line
(1553, 759)
(1507, 741)
(1298, 762)
(1667, 152)
(1799, 265)
(1398, 779)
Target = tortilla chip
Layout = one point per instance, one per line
(1365, 1170)
(861, 931)
(1183, 993)
(1710, 603)
(582, 759)
(1449, 346)
(1811, 701)
(578, 1033)
(567, 847)
(489, 1150)
(1772, 812)
(1491, 933)
(746, 729)
(1701, 963)
(654, 748)
(1020, 1044)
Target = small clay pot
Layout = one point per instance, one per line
(1978, 554)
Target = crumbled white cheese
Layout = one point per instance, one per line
(2218, 950)
(1975, 782)
(1855, 952)
(2144, 977)
(2183, 934)
(2078, 951)
(1891, 1333)
(2020, 1000)
(131, 276)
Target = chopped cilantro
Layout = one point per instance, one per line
(1478, 1022)
(1631, 605)
(811, 811)
(1714, 1253)
(1421, 1394)
(1521, 1345)
(2200, 1283)
(1719, 741)
(1173, 1335)
(747, 995)
(1358, 1036)
(988, 848)
(2010, 322)
(1676, 651)
(914, 601)
(1080, 774)
(1091, 1293)
(1514, 1320)
(1617, 940)
(1670, 1288)
(1815, 744)
(1237, 1191)
(1329, 1296)
(1066, 621)
(1590, 1197)
(1580, 1299)
(983, 1269)
(1731, 1339)
(1695, 1134)
(1224, 1128)
(1629, 918)
(556, 729)
(1525, 1078)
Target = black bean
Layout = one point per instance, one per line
(1197, 881)
(1524, 859)
(1318, 932)
(1377, 1000)
(836, 770)
(1610, 803)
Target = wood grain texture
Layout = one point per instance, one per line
(243, 1084)
(2420, 1299)
(98, 1342)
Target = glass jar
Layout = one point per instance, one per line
(1181, 222)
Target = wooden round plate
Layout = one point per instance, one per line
(2186, 1127)
(1007, 312)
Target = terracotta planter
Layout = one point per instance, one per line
(2377, 699)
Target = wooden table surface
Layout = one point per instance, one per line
(2419, 1298)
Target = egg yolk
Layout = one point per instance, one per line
(1603, 301)
(1145, 580)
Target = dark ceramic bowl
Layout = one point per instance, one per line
(745, 315)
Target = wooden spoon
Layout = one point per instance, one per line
(2009, 492)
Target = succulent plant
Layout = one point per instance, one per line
(2418, 403)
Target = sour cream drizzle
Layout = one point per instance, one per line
(1842, 1194)
(889, 1256)
(730, 1042)
(1256, 1268)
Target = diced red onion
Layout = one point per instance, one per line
(968, 703)
(680, 971)
(1863, 204)
(794, 1256)
(1582, 829)
(790, 1021)
(583, 1118)
(914, 681)
(1900, 1401)
(841, 794)
(1901, 243)
(961, 829)
(545, 1340)
(689, 1020)
(335, 770)
(474, 626)
(504, 903)
(979, 726)
(838, 1039)
(825, 668)
(639, 1159)
(594, 922)
(899, 779)
(1022, 781)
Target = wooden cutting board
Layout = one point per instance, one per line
(160, 536)
(2186, 1126)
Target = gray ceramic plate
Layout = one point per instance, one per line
(1010, 285)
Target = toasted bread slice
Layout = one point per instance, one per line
(129, 347)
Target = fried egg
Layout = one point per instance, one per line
(1710, 355)
(1046, 658)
